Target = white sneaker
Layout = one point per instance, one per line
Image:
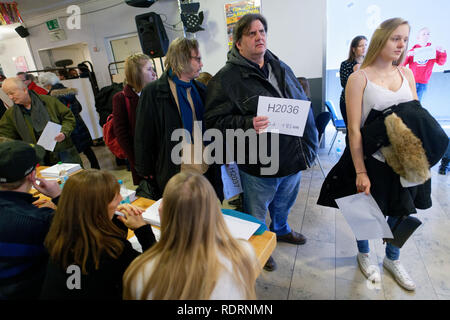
(369, 270)
(399, 273)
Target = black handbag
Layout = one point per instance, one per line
(403, 229)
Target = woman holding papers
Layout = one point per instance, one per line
(87, 242)
(379, 84)
(196, 256)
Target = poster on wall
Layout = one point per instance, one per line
(21, 64)
(235, 10)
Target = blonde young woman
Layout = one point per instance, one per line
(379, 84)
(138, 73)
(87, 243)
(196, 257)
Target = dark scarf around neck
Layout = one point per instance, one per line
(185, 107)
(39, 118)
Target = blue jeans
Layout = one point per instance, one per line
(392, 252)
(276, 194)
(447, 153)
(421, 88)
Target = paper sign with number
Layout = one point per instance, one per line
(287, 116)
(422, 55)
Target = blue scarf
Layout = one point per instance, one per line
(185, 107)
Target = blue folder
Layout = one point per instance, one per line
(262, 228)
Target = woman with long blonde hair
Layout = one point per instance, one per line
(87, 242)
(196, 257)
(379, 84)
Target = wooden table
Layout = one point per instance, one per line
(263, 244)
(36, 193)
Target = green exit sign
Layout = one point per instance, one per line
(52, 25)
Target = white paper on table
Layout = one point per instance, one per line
(364, 217)
(53, 171)
(151, 214)
(137, 246)
(424, 54)
(231, 180)
(47, 138)
(240, 229)
(286, 116)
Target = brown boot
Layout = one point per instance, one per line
(292, 237)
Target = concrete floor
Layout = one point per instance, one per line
(325, 267)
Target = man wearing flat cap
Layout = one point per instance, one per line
(29, 115)
(23, 226)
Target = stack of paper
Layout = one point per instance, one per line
(239, 228)
(53, 171)
(151, 214)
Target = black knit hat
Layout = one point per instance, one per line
(17, 160)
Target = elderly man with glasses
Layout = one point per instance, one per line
(174, 101)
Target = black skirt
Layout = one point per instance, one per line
(386, 189)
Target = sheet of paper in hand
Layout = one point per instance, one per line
(286, 116)
(47, 138)
(364, 217)
(231, 180)
(422, 55)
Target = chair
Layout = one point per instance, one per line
(338, 124)
(321, 123)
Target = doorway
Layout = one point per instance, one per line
(121, 47)
(77, 52)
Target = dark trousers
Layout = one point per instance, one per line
(89, 153)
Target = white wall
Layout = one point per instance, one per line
(14, 47)
(95, 27)
(77, 53)
(296, 32)
(347, 19)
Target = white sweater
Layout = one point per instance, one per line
(227, 287)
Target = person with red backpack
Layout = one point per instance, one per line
(138, 73)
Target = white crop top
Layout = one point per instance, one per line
(379, 98)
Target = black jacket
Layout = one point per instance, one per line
(157, 116)
(105, 283)
(386, 189)
(81, 136)
(232, 102)
(23, 258)
(103, 101)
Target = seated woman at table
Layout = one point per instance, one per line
(205, 261)
(87, 242)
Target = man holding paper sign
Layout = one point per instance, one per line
(421, 59)
(29, 116)
(232, 99)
